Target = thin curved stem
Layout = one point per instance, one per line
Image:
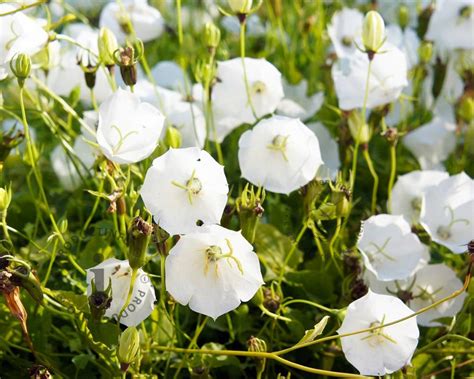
(242, 56)
(374, 176)
(393, 171)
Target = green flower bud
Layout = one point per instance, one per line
(403, 16)
(250, 210)
(138, 238)
(212, 36)
(465, 64)
(425, 52)
(373, 32)
(466, 109)
(358, 127)
(173, 137)
(240, 6)
(5, 198)
(21, 67)
(107, 46)
(128, 348)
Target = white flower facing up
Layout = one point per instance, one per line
(447, 212)
(389, 249)
(384, 350)
(432, 143)
(118, 273)
(212, 270)
(19, 34)
(451, 24)
(426, 286)
(146, 20)
(408, 192)
(388, 77)
(128, 130)
(230, 102)
(406, 40)
(183, 187)
(329, 152)
(345, 31)
(279, 153)
(297, 103)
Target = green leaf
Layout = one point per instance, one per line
(79, 301)
(310, 335)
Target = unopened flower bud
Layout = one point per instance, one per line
(465, 65)
(212, 36)
(138, 238)
(21, 67)
(358, 127)
(107, 46)
(5, 198)
(250, 210)
(466, 109)
(127, 59)
(128, 348)
(425, 52)
(373, 33)
(258, 345)
(403, 16)
(173, 137)
(240, 6)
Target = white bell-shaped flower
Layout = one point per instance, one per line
(408, 192)
(128, 129)
(169, 74)
(427, 285)
(384, 350)
(146, 20)
(329, 152)
(388, 77)
(118, 274)
(297, 103)
(389, 248)
(406, 40)
(212, 270)
(230, 101)
(432, 143)
(280, 154)
(447, 212)
(184, 187)
(451, 25)
(345, 31)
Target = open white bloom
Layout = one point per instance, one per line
(118, 273)
(389, 248)
(451, 25)
(230, 102)
(406, 40)
(345, 31)
(432, 143)
(212, 270)
(128, 129)
(184, 187)
(279, 153)
(297, 103)
(381, 351)
(146, 20)
(170, 75)
(19, 33)
(427, 285)
(329, 152)
(388, 77)
(408, 192)
(447, 212)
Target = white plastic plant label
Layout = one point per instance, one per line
(119, 273)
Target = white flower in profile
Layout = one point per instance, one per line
(128, 130)
(329, 152)
(427, 285)
(230, 102)
(118, 274)
(212, 270)
(184, 187)
(388, 77)
(451, 25)
(432, 143)
(345, 31)
(297, 103)
(384, 350)
(170, 75)
(447, 212)
(389, 248)
(19, 33)
(146, 20)
(279, 153)
(408, 192)
(406, 40)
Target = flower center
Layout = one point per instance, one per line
(379, 252)
(466, 12)
(377, 337)
(445, 231)
(279, 143)
(258, 87)
(193, 186)
(416, 204)
(214, 253)
(347, 41)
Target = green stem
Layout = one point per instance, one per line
(393, 171)
(242, 56)
(443, 338)
(334, 237)
(313, 304)
(23, 7)
(5, 226)
(129, 296)
(374, 176)
(51, 262)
